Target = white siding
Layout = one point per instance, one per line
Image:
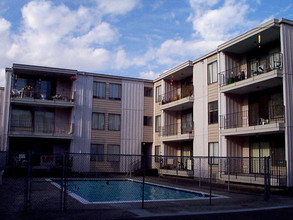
(287, 50)
(82, 120)
(200, 109)
(132, 117)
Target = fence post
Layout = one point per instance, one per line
(177, 169)
(143, 179)
(228, 166)
(27, 196)
(267, 178)
(66, 158)
(199, 172)
(211, 176)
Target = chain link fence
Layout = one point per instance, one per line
(74, 181)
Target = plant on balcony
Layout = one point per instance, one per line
(73, 77)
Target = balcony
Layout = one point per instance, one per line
(26, 128)
(31, 97)
(177, 132)
(176, 101)
(251, 122)
(258, 74)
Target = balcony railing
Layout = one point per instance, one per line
(49, 128)
(255, 67)
(177, 129)
(252, 118)
(31, 94)
(175, 95)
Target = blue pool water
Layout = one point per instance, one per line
(91, 191)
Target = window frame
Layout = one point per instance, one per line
(158, 93)
(96, 91)
(212, 76)
(213, 159)
(157, 153)
(97, 156)
(110, 128)
(98, 128)
(212, 112)
(113, 158)
(111, 93)
(18, 118)
(158, 123)
(147, 121)
(148, 92)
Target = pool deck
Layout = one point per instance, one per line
(239, 205)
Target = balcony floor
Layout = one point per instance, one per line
(258, 129)
(40, 102)
(178, 137)
(179, 105)
(254, 83)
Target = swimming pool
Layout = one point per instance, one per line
(125, 190)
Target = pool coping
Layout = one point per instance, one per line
(86, 202)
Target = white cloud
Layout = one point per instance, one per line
(54, 35)
(222, 22)
(115, 7)
(149, 75)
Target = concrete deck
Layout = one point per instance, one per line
(241, 204)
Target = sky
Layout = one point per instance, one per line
(133, 38)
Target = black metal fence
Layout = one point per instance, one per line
(86, 181)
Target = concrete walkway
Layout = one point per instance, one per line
(235, 206)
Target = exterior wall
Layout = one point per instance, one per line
(108, 107)
(132, 117)
(1, 116)
(286, 40)
(82, 120)
(148, 111)
(200, 109)
(6, 109)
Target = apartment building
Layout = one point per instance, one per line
(232, 102)
(255, 96)
(53, 110)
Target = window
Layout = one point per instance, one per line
(212, 72)
(157, 153)
(148, 92)
(186, 123)
(44, 123)
(158, 123)
(99, 90)
(113, 149)
(214, 152)
(21, 118)
(97, 152)
(98, 121)
(115, 91)
(114, 122)
(147, 120)
(213, 112)
(158, 93)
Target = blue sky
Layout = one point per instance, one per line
(135, 38)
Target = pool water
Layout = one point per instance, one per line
(97, 191)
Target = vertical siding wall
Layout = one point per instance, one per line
(6, 103)
(200, 109)
(82, 121)
(132, 117)
(1, 116)
(287, 50)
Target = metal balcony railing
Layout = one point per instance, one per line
(247, 118)
(64, 96)
(254, 68)
(177, 129)
(50, 128)
(175, 94)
